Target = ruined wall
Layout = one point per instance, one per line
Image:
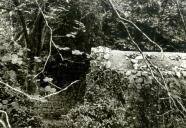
(122, 61)
(122, 91)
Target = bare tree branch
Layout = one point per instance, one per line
(149, 64)
(51, 42)
(6, 123)
(133, 24)
(37, 98)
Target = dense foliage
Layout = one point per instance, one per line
(40, 40)
(130, 98)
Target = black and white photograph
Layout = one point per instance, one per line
(92, 63)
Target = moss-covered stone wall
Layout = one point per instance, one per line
(123, 92)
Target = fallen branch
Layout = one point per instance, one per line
(133, 24)
(60, 90)
(149, 64)
(135, 44)
(30, 97)
(6, 123)
(51, 42)
(37, 98)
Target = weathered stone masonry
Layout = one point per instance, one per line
(125, 62)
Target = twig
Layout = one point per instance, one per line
(7, 120)
(41, 99)
(133, 24)
(149, 64)
(165, 113)
(19, 91)
(51, 42)
(60, 90)
(136, 45)
(54, 85)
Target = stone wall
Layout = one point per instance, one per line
(114, 76)
(122, 61)
(121, 83)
